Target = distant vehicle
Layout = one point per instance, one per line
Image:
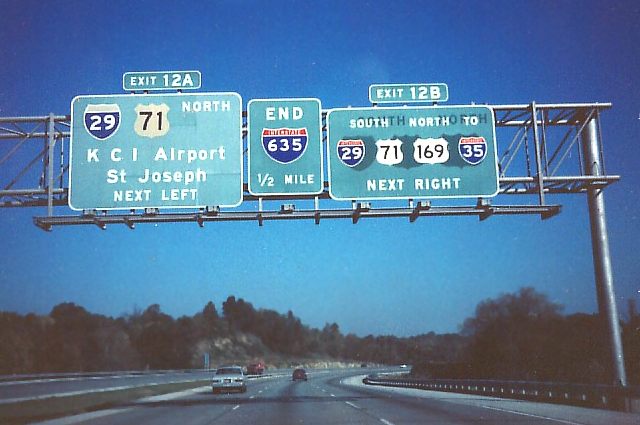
(363, 365)
(256, 368)
(403, 366)
(228, 379)
(299, 375)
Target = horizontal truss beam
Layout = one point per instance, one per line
(508, 186)
(362, 210)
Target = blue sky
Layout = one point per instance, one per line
(380, 276)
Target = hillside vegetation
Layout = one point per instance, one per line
(519, 336)
(71, 339)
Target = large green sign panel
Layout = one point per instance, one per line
(155, 151)
(407, 153)
(284, 146)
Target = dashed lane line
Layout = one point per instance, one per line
(352, 405)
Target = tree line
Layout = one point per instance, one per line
(71, 339)
(515, 336)
(524, 336)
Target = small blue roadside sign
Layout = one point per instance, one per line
(161, 80)
(412, 152)
(408, 93)
(156, 151)
(284, 138)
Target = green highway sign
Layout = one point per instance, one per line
(162, 80)
(284, 146)
(408, 93)
(156, 151)
(412, 152)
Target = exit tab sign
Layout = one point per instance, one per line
(162, 80)
(408, 93)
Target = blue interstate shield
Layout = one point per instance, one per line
(284, 145)
(351, 152)
(472, 149)
(102, 120)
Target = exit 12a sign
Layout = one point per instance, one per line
(284, 147)
(161, 80)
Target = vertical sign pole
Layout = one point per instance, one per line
(600, 246)
(50, 145)
(536, 143)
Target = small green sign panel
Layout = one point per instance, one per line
(408, 153)
(156, 151)
(284, 146)
(162, 80)
(408, 93)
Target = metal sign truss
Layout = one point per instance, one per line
(539, 155)
(544, 150)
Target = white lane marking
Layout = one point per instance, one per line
(332, 395)
(260, 392)
(386, 422)
(531, 415)
(252, 397)
(235, 407)
(352, 405)
(171, 396)
(70, 420)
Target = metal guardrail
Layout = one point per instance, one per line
(596, 395)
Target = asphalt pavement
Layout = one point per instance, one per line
(337, 397)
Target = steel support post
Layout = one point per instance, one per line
(600, 246)
(538, 152)
(51, 143)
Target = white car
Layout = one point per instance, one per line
(228, 379)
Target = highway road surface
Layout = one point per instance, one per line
(337, 397)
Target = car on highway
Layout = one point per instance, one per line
(256, 368)
(299, 375)
(228, 379)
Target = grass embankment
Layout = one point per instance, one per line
(52, 407)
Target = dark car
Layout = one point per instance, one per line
(299, 374)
